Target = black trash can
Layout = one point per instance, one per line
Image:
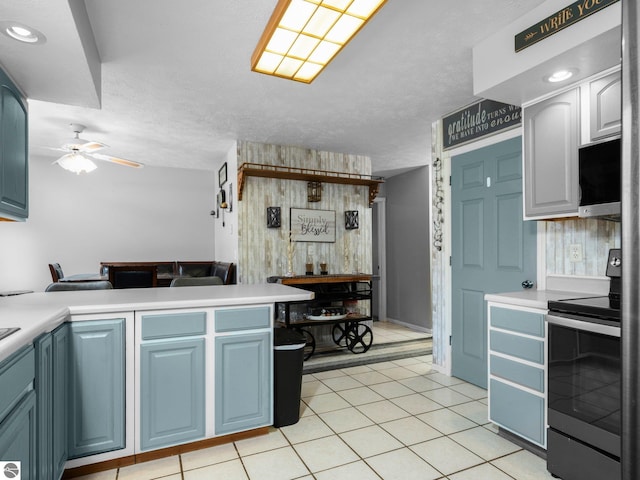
(288, 357)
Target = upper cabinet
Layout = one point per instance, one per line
(554, 129)
(14, 175)
(551, 137)
(605, 112)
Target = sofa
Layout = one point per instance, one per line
(168, 270)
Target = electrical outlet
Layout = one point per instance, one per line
(575, 252)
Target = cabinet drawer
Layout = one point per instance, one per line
(16, 373)
(529, 323)
(174, 325)
(519, 373)
(519, 347)
(518, 411)
(231, 319)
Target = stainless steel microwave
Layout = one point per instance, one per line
(599, 179)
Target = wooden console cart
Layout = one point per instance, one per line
(333, 294)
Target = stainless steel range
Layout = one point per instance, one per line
(584, 384)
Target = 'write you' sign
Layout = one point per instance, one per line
(559, 20)
(313, 225)
(483, 118)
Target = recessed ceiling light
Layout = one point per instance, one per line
(560, 75)
(22, 33)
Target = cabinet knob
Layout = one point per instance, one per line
(527, 284)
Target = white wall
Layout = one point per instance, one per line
(112, 214)
(226, 248)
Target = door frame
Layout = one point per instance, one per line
(381, 221)
(442, 335)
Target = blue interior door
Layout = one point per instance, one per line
(493, 249)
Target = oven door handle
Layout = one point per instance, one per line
(585, 326)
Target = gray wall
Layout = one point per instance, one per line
(407, 227)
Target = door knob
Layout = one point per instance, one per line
(527, 284)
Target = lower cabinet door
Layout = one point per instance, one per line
(60, 399)
(518, 411)
(44, 403)
(96, 406)
(172, 392)
(18, 437)
(242, 382)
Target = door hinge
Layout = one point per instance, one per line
(449, 180)
(450, 260)
(449, 340)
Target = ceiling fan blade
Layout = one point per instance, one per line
(90, 147)
(118, 160)
(81, 145)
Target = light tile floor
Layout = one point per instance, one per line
(395, 420)
(388, 332)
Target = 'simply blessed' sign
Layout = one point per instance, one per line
(313, 225)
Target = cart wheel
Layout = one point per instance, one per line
(359, 338)
(310, 345)
(339, 334)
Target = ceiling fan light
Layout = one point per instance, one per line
(76, 163)
(300, 30)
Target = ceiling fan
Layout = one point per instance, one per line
(81, 153)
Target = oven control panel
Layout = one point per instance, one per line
(614, 265)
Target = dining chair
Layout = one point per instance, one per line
(133, 276)
(56, 272)
(194, 281)
(71, 286)
(224, 270)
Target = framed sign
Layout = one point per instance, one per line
(313, 225)
(483, 118)
(222, 175)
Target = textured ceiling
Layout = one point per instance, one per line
(169, 84)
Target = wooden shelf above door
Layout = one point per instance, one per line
(308, 175)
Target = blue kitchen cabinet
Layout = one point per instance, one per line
(44, 404)
(172, 378)
(96, 393)
(60, 384)
(51, 385)
(14, 175)
(517, 371)
(242, 381)
(18, 434)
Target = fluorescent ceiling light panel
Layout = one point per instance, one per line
(303, 36)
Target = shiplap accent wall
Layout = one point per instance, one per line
(262, 250)
(594, 235)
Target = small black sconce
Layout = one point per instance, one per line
(351, 219)
(273, 217)
(314, 191)
(223, 204)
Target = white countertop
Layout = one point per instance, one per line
(531, 298)
(37, 313)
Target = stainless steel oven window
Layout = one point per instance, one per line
(585, 382)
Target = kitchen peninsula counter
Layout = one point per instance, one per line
(38, 313)
(123, 376)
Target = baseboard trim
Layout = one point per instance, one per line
(410, 326)
(161, 453)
